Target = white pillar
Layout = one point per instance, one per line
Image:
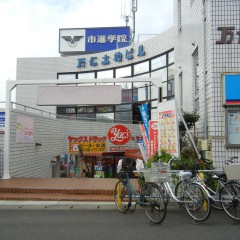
(6, 161)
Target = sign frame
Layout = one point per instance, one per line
(230, 127)
(231, 93)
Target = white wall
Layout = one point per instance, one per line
(29, 160)
(220, 58)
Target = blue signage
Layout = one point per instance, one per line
(106, 39)
(232, 89)
(106, 60)
(145, 117)
(2, 121)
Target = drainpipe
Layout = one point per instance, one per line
(204, 70)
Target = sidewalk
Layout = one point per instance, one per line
(59, 189)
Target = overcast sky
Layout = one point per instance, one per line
(30, 28)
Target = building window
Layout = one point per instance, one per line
(105, 116)
(65, 76)
(105, 74)
(158, 62)
(124, 72)
(171, 57)
(123, 116)
(89, 75)
(141, 68)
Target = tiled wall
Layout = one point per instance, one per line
(220, 58)
(224, 59)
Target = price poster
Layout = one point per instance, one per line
(168, 127)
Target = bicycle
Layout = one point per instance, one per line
(194, 198)
(150, 197)
(230, 193)
(223, 192)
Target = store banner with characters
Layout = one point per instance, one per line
(153, 137)
(87, 144)
(168, 127)
(145, 117)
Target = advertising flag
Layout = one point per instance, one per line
(145, 117)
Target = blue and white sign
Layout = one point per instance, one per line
(2, 121)
(145, 117)
(93, 39)
(143, 149)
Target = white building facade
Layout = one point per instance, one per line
(190, 60)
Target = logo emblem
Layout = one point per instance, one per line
(72, 42)
(119, 135)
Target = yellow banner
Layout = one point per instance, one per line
(87, 147)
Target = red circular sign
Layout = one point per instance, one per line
(119, 135)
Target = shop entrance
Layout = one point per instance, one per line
(90, 165)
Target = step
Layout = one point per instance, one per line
(55, 197)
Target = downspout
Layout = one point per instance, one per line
(204, 70)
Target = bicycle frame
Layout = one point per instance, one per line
(136, 195)
(172, 195)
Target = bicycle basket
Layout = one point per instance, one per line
(232, 171)
(156, 175)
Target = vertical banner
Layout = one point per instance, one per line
(153, 137)
(24, 129)
(143, 149)
(2, 122)
(168, 127)
(145, 139)
(145, 117)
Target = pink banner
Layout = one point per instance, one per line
(153, 137)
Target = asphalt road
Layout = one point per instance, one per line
(60, 222)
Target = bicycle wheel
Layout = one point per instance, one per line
(154, 203)
(197, 202)
(122, 196)
(230, 197)
(179, 190)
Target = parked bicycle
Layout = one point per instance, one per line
(223, 192)
(194, 198)
(150, 196)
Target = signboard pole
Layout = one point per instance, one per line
(9, 87)
(188, 132)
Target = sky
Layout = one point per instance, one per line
(30, 28)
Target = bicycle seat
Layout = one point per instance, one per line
(219, 175)
(184, 175)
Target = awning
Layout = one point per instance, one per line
(97, 154)
(133, 153)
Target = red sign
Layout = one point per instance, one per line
(153, 137)
(119, 135)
